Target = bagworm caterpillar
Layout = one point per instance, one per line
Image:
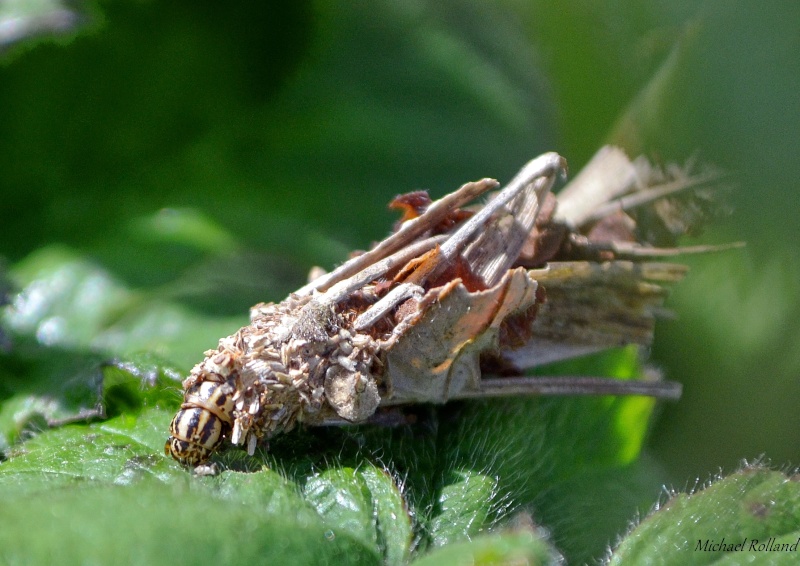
(455, 293)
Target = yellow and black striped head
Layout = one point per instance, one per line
(201, 424)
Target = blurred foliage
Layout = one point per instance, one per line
(165, 166)
(754, 508)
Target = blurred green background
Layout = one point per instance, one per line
(289, 125)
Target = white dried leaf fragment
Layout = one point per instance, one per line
(435, 355)
(354, 395)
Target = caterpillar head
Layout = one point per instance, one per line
(202, 422)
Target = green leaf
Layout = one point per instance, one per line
(41, 387)
(639, 128)
(120, 450)
(167, 330)
(464, 506)
(64, 300)
(631, 414)
(23, 22)
(514, 548)
(153, 523)
(366, 504)
(184, 226)
(265, 489)
(546, 454)
(342, 498)
(67, 301)
(395, 530)
(50, 387)
(746, 509)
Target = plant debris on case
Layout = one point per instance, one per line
(455, 304)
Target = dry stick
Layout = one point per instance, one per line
(546, 386)
(344, 288)
(607, 175)
(381, 308)
(436, 212)
(646, 196)
(572, 385)
(545, 166)
(497, 248)
(626, 250)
